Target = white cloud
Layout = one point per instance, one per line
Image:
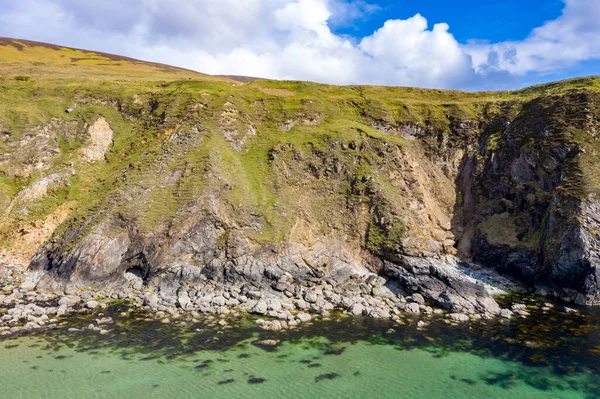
(292, 39)
(563, 42)
(406, 50)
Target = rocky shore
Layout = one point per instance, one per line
(417, 286)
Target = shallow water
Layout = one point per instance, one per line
(550, 355)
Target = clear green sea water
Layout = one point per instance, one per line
(546, 356)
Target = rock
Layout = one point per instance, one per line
(457, 317)
(151, 300)
(280, 286)
(412, 307)
(135, 277)
(274, 304)
(273, 325)
(74, 300)
(101, 138)
(268, 342)
(303, 317)
(261, 307)
(522, 313)
(505, 313)
(183, 300)
(376, 281)
(357, 309)
(571, 310)
(418, 298)
(384, 292)
(28, 285)
(380, 313)
(92, 304)
(301, 304)
(311, 296)
(219, 301)
(64, 301)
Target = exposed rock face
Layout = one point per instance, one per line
(194, 258)
(195, 255)
(571, 260)
(101, 136)
(530, 199)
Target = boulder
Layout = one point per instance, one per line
(311, 296)
(303, 317)
(357, 309)
(261, 307)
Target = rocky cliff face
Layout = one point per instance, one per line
(272, 185)
(530, 193)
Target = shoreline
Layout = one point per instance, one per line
(281, 307)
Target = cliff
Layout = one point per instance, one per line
(113, 169)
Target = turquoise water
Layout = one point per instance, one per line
(344, 358)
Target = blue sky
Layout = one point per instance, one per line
(460, 44)
(491, 20)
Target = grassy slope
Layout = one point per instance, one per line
(156, 110)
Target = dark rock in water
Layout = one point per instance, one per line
(224, 382)
(243, 355)
(328, 376)
(335, 351)
(314, 365)
(255, 380)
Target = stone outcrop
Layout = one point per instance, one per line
(441, 283)
(529, 199)
(101, 136)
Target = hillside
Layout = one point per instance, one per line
(109, 165)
